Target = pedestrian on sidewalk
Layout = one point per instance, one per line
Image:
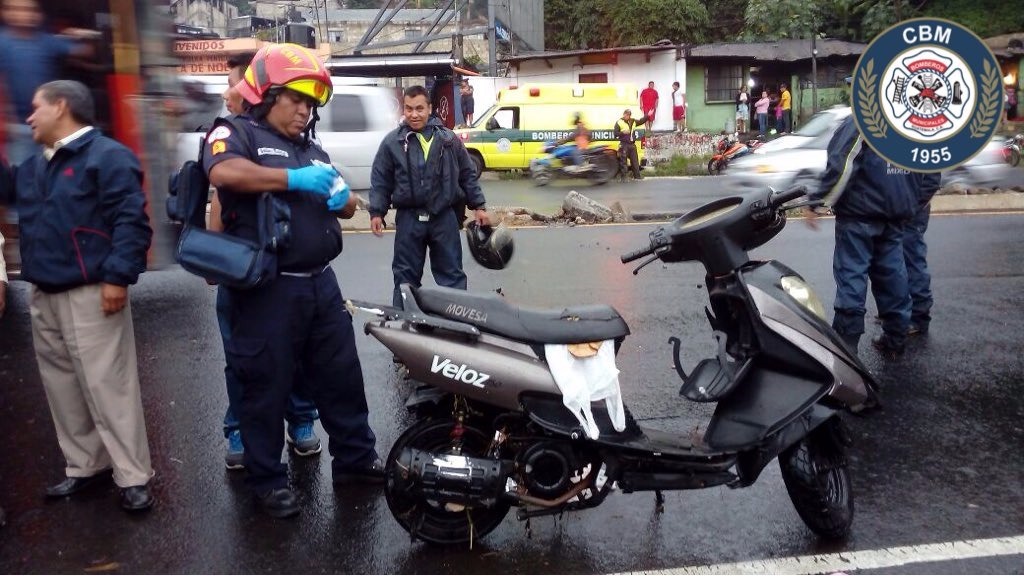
(786, 102)
(301, 413)
(649, 104)
(678, 108)
(84, 190)
(742, 110)
(761, 109)
(424, 172)
(296, 320)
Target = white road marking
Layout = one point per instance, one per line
(862, 559)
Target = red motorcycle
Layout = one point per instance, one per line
(727, 149)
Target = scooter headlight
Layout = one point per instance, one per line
(801, 292)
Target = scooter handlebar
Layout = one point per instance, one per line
(636, 254)
(787, 195)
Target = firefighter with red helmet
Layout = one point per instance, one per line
(295, 321)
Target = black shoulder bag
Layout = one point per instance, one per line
(230, 260)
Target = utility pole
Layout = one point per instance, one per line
(492, 41)
(814, 71)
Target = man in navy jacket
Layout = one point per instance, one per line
(84, 234)
(424, 171)
(872, 201)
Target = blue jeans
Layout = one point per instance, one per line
(762, 123)
(413, 237)
(870, 249)
(301, 409)
(915, 253)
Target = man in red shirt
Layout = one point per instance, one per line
(649, 103)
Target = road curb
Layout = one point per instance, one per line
(942, 204)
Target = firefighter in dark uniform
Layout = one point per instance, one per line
(297, 320)
(625, 130)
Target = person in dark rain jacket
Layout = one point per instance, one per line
(872, 201)
(423, 170)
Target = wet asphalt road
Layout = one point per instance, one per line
(943, 462)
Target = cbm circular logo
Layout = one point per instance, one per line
(927, 94)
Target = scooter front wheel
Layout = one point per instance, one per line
(714, 168)
(433, 521)
(818, 482)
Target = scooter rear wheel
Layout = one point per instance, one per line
(429, 520)
(816, 477)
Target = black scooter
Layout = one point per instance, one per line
(493, 431)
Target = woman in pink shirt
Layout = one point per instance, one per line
(761, 108)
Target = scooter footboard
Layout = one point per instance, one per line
(766, 402)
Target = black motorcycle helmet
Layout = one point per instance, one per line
(491, 247)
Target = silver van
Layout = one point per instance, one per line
(350, 129)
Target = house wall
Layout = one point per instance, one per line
(663, 69)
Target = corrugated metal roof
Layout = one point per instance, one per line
(571, 53)
(779, 51)
(787, 50)
(1007, 45)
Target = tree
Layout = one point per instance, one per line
(571, 24)
(643, 22)
(725, 19)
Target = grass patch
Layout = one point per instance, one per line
(683, 166)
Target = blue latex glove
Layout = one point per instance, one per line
(313, 179)
(339, 199)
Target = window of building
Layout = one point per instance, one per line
(596, 78)
(723, 83)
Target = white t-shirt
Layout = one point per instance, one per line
(678, 99)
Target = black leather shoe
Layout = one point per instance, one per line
(279, 503)
(75, 484)
(372, 473)
(136, 498)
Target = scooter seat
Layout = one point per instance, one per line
(492, 313)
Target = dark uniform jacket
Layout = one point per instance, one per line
(403, 179)
(315, 232)
(858, 183)
(82, 214)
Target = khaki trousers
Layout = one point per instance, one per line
(89, 370)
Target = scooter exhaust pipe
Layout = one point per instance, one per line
(452, 478)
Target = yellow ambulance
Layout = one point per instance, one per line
(513, 131)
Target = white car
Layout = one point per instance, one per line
(800, 159)
(350, 130)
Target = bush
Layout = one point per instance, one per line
(683, 166)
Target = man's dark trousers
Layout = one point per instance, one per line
(627, 151)
(412, 238)
(870, 249)
(915, 253)
(297, 320)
